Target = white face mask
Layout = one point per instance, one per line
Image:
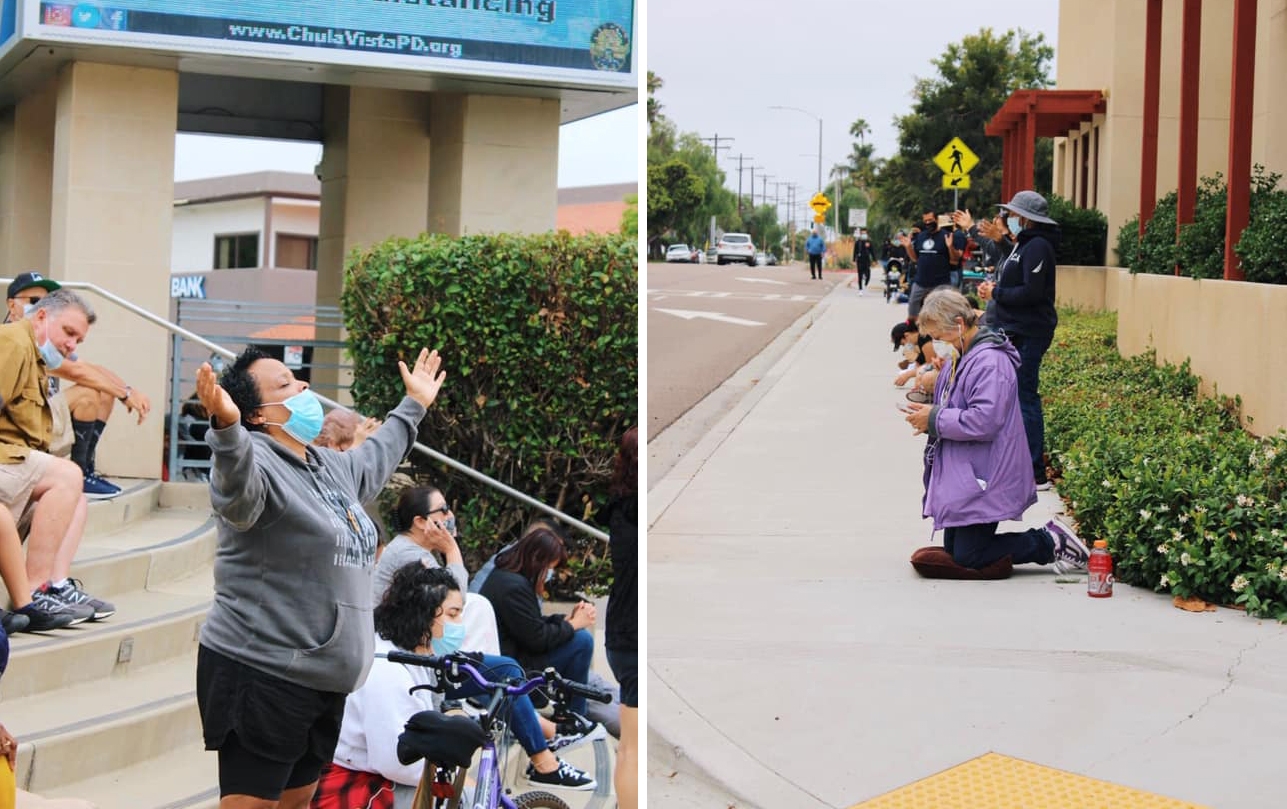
(1012, 222)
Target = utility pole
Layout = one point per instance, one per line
(752, 170)
(715, 149)
(740, 159)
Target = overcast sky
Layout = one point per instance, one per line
(725, 62)
(594, 151)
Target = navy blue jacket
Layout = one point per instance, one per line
(1025, 290)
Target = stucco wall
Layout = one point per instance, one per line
(1212, 323)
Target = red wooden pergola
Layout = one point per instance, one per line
(1031, 114)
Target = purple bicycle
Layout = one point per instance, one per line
(448, 743)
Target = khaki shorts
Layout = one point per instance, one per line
(62, 436)
(18, 480)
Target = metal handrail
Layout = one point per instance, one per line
(433, 454)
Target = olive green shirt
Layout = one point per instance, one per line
(26, 421)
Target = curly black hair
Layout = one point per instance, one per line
(414, 598)
(241, 386)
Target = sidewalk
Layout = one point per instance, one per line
(796, 660)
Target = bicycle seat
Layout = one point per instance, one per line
(448, 741)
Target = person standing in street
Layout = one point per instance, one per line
(814, 247)
(862, 259)
(1024, 296)
(929, 249)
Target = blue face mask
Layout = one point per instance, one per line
(305, 422)
(453, 637)
(1012, 222)
(51, 355)
(549, 575)
(449, 524)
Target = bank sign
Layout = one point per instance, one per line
(587, 41)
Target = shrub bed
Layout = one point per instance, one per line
(1190, 503)
(539, 337)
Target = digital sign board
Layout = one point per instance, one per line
(582, 41)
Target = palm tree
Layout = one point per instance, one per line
(654, 106)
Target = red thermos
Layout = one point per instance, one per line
(1100, 582)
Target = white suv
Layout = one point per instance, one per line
(735, 247)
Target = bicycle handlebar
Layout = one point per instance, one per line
(459, 666)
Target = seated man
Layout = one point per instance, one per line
(41, 490)
(89, 401)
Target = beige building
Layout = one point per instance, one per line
(1102, 47)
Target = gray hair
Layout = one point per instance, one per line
(58, 300)
(943, 306)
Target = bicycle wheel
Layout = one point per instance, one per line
(540, 800)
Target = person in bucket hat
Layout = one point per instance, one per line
(1023, 307)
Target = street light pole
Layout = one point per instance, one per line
(819, 120)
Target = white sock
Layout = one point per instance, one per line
(58, 585)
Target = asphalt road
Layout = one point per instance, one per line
(706, 321)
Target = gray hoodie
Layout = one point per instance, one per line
(296, 552)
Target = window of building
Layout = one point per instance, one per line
(296, 252)
(236, 252)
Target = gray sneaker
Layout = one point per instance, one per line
(1071, 555)
(72, 594)
(47, 611)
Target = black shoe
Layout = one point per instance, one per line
(574, 732)
(46, 612)
(565, 777)
(13, 622)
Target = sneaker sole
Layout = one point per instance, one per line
(98, 616)
(546, 785)
(97, 496)
(599, 732)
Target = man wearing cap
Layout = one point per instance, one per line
(929, 250)
(1024, 308)
(89, 403)
(37, 487)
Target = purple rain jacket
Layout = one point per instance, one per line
(980, 470)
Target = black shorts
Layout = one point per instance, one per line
(625, 667)
(271, 734)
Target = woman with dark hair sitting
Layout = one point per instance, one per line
(516, 588)
(426, 527)
(421, 613)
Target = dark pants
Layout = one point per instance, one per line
(864, 273)
(815, 265)
(1031, 350)
(977, 546)
(572, 660)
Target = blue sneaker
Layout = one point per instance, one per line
(98, 489)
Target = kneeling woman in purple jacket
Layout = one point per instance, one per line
(978, 470)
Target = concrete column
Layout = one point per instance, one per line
(111, 207)
(1242, 93)
(375, 176)
(26, 181)
(494, 164)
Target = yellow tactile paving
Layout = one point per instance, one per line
(1000, 782)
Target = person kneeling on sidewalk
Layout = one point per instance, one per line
(976, 425)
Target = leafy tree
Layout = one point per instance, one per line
(630, 217)
(674, 193)
(654, 106)
(974, 78)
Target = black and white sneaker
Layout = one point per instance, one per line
(72, 595)
(1071, 555)
(565, 777)
(574, 732)
(46, 611)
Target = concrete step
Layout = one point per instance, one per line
(101, 726)
(187, 777)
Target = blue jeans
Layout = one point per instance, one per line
(977, 546)
(572, 660)
(1031, 350)
(527, 728)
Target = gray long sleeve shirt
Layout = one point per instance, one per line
(295, 554)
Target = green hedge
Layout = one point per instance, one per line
(1084, 233)
(540, 344)
(1190, 503)
(1199, 252)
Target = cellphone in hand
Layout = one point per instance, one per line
(903, 406)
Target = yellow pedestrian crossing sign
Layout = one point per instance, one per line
(956, 182)
(819, 203)
(956, 159)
